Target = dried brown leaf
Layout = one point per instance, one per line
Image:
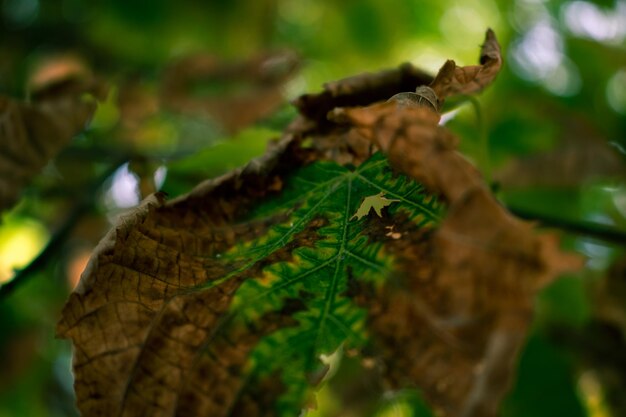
(32, 133)
(454, 80)
(150, 319)
(461, 316)
(149, 340)
(361, 90)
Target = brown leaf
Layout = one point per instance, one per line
(32, 133)
(150, 319)
(149, 339)
(457, 323)
(361, 90)
(582, 155)
(258, 83)
(453, 80)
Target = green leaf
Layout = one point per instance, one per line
(325, 195)
(227, 299)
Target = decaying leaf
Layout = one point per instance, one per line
(221, 302)
(453, 80)
(184, 284)
(361, 90)
(33, 132)
(474, 292)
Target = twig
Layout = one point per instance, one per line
(590, 229)
(57, 241)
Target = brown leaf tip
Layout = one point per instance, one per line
(490, 50)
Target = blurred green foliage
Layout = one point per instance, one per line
(565, 67)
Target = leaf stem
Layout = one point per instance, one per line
(483, 137)
(57, 241)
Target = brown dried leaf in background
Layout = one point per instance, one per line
(33, 132)
(238, 93)
(453, 80)
(582, 155)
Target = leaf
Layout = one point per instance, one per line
(453, 80)
(32, 133)
(476, 290)
(220, 302)
(158, 335)
(235, 94)
(360, 90)
(373, 202)
(581, 156)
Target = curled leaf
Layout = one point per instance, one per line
(454, 80)
(32, 133)
(221, 302)
(361, 90)
(468, 287)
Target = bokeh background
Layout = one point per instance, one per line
(549, 136)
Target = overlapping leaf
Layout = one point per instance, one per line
(180, 288)
(31, 133)
(220, 302)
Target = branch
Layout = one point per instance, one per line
(590, 229)
(57, 241)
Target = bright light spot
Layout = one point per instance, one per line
(20, 242)
(159, 176)
(589, 21)
(295, 87)
(525, 13)
(332, 361)
(446, 117)
(302, 12)
(20, 13)
(564, 80)
(616, 91)
(462, 23)
(428, 58)
(396, 408)
(124, 189)
(592, 394)
(539, 57)
(598, 254)
(539, 52)
(619, 200)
